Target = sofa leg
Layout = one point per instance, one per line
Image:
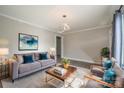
(55, 65)
(12, 81)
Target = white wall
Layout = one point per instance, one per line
(83, 46)
(9, 30)
(86, 46)
(110, 38)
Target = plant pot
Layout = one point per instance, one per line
(104, 59)
(66, 66)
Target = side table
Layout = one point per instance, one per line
(4, 70)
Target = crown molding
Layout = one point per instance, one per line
(26, 22)
(88, 29)
(47, 29)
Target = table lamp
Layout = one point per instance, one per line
(3, 53)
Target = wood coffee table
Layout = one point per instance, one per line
(63, 78)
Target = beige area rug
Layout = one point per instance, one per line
(37, 80)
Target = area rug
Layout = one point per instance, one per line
(37, 80)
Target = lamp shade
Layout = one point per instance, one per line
(52, 49)
(4, 51)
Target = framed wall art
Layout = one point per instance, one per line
(27, 42)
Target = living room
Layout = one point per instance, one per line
(76, 41)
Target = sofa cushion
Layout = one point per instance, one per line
(28, 67)
(47, 62)
(27, 59)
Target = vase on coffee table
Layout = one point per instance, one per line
(65, 62)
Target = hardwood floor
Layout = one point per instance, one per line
(78, 63)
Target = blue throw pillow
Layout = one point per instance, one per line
(109, 76)
(43, 56)
(107, 64)
(28, 59)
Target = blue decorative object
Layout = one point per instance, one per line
(28, 59)
(28, 42)
(109, 76)
(107, 64)
(43, 56)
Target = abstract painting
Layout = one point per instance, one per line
(28, 42)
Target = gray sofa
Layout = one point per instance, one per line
(19, 69)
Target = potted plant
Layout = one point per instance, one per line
(105, 53)
(65, 62)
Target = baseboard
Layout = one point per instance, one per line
(83, 60)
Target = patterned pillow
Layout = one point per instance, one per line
(36, 56)
(107, 64)
(109, 76)
(113, 61)
(19, 58)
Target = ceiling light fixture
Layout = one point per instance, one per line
(64, 16)
(66, 27)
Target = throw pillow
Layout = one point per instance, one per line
(43, 56)
(36, 56)
(109, 76)
(28, 59)
(107, 64)
(113, 61)
(19, 58)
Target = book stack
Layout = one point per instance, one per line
(59, 70)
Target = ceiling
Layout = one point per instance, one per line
(49, 17)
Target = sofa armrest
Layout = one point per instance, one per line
(95, 64)
(97, 70)
(100, 67)
(96, 79)
(13, 69)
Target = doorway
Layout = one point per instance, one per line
(58, 47)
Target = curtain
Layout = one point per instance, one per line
(122, 58)
(117, 37)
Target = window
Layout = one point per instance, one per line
(122, 58)
(118, 38)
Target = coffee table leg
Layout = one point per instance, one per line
(46, 79)
(65, 84)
